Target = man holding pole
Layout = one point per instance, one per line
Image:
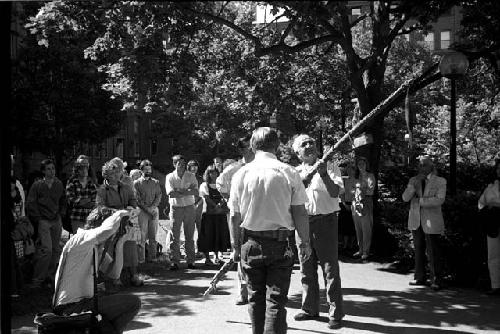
(322, 205)
(267, 200)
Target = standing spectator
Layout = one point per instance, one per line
(46, 204)
(426, 193)
(218, 165)
(214, 233)
(489, 204)
(135, 174)
(267, 201)
(116, 194)
(322, 205)
(223, 183)
(363, 208)
(181, 187)
(193, 167)
(148, 192)
(19, 187)
(346, 222)
(80, 192)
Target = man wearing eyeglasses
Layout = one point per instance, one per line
(148, 193)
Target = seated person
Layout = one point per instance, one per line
(74, 287)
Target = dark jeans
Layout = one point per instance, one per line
(324, 244)
(268, 272)
(430, 244)
(116, 311)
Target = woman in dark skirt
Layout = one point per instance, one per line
(214, 232)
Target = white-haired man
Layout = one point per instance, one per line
(322, 189)
(426, 193)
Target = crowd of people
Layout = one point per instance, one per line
(266, 212)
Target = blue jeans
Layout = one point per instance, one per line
(324, 243)
(268, 276)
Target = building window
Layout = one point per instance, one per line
(263, 15)
(356, 11)
(154, 147)
(429, 41)
(445, 39)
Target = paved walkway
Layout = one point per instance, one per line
(376, 301)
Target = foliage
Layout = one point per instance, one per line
(57, 101)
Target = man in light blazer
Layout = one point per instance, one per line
(426, 193)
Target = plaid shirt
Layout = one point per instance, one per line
(74, 193)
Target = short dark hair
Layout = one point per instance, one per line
(45, 163)
(193, 163)
(265, 139)
(244, 142)
(178, 157)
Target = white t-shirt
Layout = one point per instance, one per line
(263, 190)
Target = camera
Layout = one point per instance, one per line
(124, 222)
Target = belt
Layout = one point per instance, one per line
(280, 235)
(315, 217)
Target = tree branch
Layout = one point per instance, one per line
(359, 19)
(288, 29)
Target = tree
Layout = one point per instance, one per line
(329, 22)
(57, 99)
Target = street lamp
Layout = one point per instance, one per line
(452, 66)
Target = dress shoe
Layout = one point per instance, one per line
(493, 292)
(241, 301)
(191, 266)
(305, 316)
(436, 286)
(418, 282)
(174, 266)
(136, 281)
(334, 323)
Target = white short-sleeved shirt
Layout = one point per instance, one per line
(263, 190)
(173, 180)
(223, 181)
(490, 194)
(319, 201)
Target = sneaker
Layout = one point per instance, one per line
(305, 316)
(334, 323)
(174, 266)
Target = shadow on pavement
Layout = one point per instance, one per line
(377, 328)
(137, 325)
(416, 307)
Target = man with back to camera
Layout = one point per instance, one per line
(267, 200)
(322, 190)
(426, 193)
(181, 187)
(223, 184)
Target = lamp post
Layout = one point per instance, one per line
(453, 65)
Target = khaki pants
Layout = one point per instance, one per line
(149, 227)
(48, 249)
(183, 216)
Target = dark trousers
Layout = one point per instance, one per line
(430, 244)
(116, 311)
(324, 243)
(268, 272)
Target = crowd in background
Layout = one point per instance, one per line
(198, 201)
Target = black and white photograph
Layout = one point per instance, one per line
(263, 167)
